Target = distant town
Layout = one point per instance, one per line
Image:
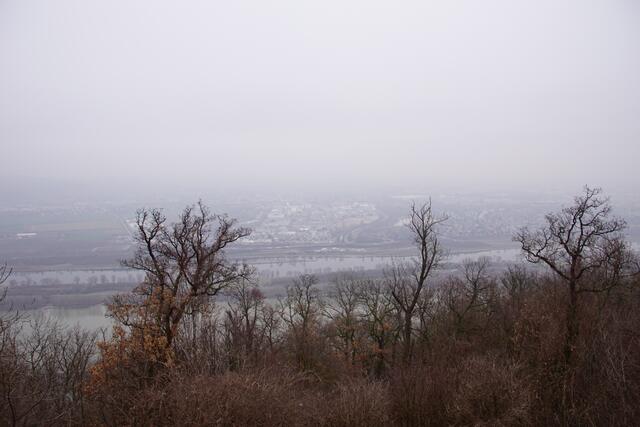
(70, 255)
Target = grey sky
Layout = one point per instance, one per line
(495, 94)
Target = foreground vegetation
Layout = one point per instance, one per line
(557, 345)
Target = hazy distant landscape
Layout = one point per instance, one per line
(66, 259)
(69, 256)
(336, 214)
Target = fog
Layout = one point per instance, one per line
(198, 95)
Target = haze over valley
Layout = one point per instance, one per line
(302, 213)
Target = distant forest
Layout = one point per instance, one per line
(556, 342)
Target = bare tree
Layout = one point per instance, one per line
(516, 281)
(5, 272)
(517, 285)
(470, 292)
(342, 309)
(6, 321)
(380, 321)
(43, 369)
(300, 311)
(271, 318)
(579, 243)
(243, 323)
(407, 281)
(184, 264)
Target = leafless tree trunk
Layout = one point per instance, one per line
(300, 311)
(469, 293)
(243, 321)
(342, 310)
(380, 321)
(407, 281)
(183, 262)
(580, 241)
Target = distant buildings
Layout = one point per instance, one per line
(26, 235)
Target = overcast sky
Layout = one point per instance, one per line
(467, 94)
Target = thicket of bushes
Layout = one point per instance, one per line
(482, 349)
